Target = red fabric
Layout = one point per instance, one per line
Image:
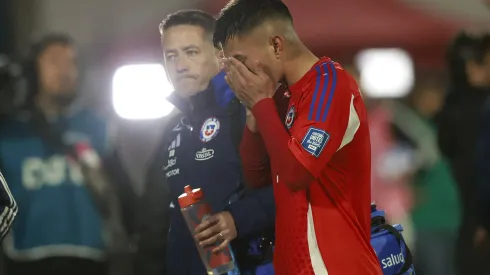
(255, 160)
(308, 171)
(255, 163)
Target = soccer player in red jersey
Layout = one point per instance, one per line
(318, 148)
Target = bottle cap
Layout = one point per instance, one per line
(190, 196)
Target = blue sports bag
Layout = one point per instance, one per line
(390, 247)
(388, 243)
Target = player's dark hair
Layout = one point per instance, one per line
(242, 16)
(189, 17)
(31, 71)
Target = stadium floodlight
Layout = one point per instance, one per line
(385, 73)
(139, 91)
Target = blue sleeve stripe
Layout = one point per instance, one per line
(332, 91)
(317, 86)
(326, 76)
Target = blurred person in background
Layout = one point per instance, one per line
(436, 211)
(200, 148)
(59, 229)
(390, 163)
(459, 124)
(483, 160)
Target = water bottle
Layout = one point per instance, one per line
(195, 210)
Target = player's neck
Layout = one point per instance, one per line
(297, 67)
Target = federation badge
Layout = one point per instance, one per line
(290, 117)
(209, 129)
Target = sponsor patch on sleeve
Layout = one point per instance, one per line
(315, 140)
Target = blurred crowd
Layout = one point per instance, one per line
(430, 162)
(430, 170)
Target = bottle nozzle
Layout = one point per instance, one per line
(187, 189)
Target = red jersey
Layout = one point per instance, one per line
(320, 162)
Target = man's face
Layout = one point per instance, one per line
(58, 72)
(190, 59)
(253, 47)
(479, 73)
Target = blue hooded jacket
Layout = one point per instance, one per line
(200, 151)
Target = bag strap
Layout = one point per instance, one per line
(408, 257)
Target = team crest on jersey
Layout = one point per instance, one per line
(290, 117)
(209, 129)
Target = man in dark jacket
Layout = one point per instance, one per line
(459, 124)
(200, 148)
(483, 157)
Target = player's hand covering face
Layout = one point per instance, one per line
(250, 86)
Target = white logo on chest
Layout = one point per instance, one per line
(204, 154)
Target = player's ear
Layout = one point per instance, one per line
(219, 53)
(277, 43)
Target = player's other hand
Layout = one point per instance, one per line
(219, 228)
(250, 85)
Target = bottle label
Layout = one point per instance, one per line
(199, 213)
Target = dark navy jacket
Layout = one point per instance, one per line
(483, 168)
(200, 149)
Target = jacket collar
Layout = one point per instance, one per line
(217, 93)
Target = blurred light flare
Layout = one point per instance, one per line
(385, 73)
(139, 92)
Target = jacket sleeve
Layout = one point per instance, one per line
(153, 225)
(122, 186)
(254, 212)
(483, 173)
(153, 219)
(255, 160)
